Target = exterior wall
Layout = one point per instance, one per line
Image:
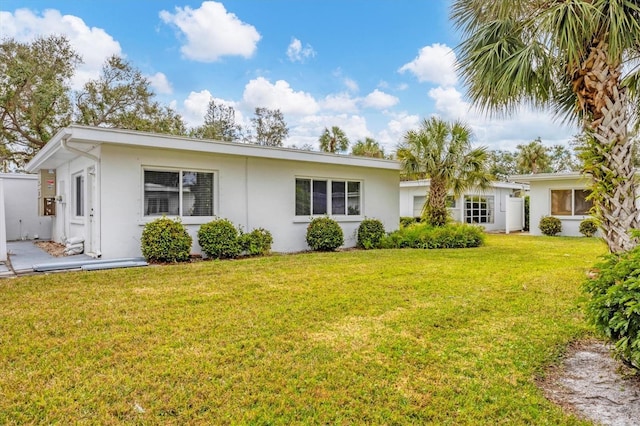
(540, 205)
(21, 208)
(251, 192)
(407, 194)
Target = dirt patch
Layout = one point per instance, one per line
(591, 384)
(54, 249)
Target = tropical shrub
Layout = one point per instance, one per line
(425, 236)
(324, 234)
(165, 240)
(550, 225)
(588, 227)
(614, 306)
(370, 232)
(257, 242)
(219, 239)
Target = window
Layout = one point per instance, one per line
(479, 209)
(178, 193)
(78, 195)
(570, 202)
(313, 197)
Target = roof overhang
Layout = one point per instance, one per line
(85, 139)
(494, 184)
(541, 177)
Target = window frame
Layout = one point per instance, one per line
(79, 196)
(329, 199)
(573, 213)
(186, 219)
(490, 200)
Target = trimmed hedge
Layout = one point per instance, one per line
(614, 307)
(424, 236)
(324, 234)
(257, 242)
(588, 227)
(165, 240)
(370, 232)
(219, 239)
(550, 225)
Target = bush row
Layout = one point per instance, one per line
(167, 240)
(550, 225)
(424, 236)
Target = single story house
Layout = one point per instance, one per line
(563, 195)
(497, 208)
(110, 183)
(22, 221)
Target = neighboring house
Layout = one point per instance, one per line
(110, 183)
(562, 195)
(498, 208)
(21, 209)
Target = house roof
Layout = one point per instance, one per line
(83, 138)
(540, 177)
(425, 182)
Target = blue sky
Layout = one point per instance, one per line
(373, 67)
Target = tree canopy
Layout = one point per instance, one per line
(334, 140)
(368, 147)
(577, 58)
(269, 126)
(219, 124)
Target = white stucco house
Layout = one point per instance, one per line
(562, 195)
(497, 208)
(110, 183)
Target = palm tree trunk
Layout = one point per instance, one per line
(604, 101)
(436, 213)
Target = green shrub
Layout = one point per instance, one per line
(165, 240)
(324, 234)
(370, 232)
(589, 227)
(219, 239)
(257, 242)
(550, 225)
(408, 220)
(425, 236)
(614, 306)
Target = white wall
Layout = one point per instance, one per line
(21, 208)
(251, 192)
(540, 205)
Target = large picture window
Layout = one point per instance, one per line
(570, 202)
(178, 193)
(321, 196)
(479, 208)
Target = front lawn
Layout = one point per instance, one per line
(381, 337)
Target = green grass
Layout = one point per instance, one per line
(380, 336)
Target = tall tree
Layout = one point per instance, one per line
(34, 95)
(562, 159)
(122, 98)
(269, 126)
(442, 152)
(219, 124)
(569, 56)
(368, 147)
(334, 140)
(533, 157)
(502, 163)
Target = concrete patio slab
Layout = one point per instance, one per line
(24, 254)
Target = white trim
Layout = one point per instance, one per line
(338, 217)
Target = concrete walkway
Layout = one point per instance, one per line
(24, 254)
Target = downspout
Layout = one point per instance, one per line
(97, 199)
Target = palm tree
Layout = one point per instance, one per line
(442, 152)
(368, 147)
(577, 58)
(533, 157)
(334, 140)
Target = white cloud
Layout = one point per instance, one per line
(297, 53)
(160, 83)
(340, 102)
(197, 103)
(400, 123)
(351, 84)
(435, 64)
(449, 103)
(262, 93)
(211, 32)
(379, 100)
(93, 44)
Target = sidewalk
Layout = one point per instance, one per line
(24, 254)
